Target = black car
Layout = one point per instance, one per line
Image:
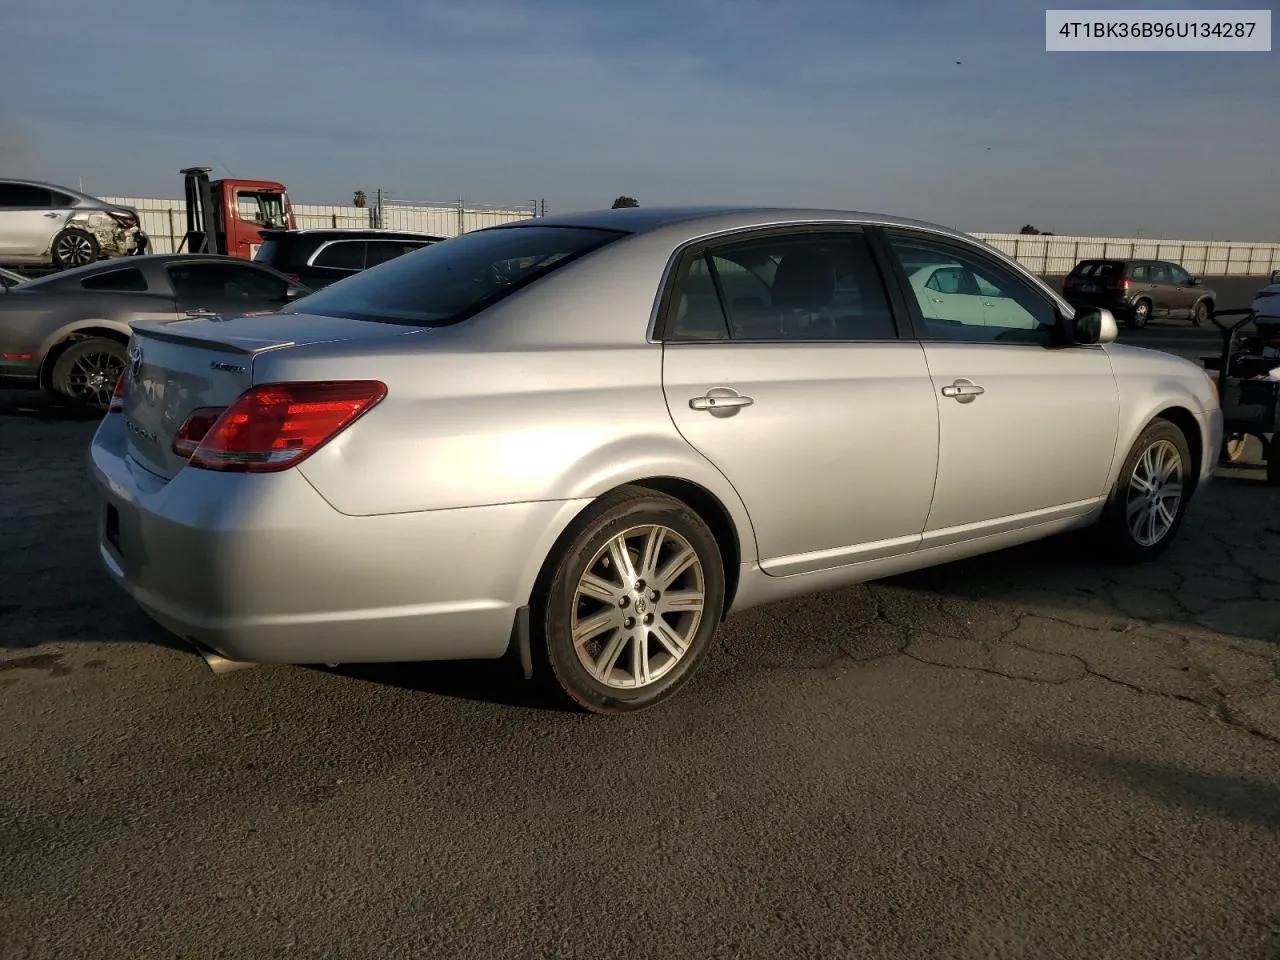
(320, 257)
(1138, 290)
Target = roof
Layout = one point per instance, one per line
(356, 232)
(80, 194)
(645, 219)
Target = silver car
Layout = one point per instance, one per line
(589, 438)
(43, 223)
(66, 333)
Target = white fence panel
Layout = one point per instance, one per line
(1206, 258)
(165, 222)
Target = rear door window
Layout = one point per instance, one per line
(1160, 273)
(341, 255)
(1139, 273)
(802, 287)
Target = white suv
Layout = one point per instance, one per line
(44, 224)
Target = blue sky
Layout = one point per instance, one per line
(808, 102)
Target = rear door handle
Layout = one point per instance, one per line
(963, 391)
(721, 401)
(53, 216)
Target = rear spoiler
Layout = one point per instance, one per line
(172, 332)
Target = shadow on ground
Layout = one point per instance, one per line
(1215, 794)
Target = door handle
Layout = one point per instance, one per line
(936, 300)
(53, 216)
(721, 402)
(963, 391)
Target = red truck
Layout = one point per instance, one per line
(229, 216)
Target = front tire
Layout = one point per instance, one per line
(1200, 314)
(633, 602)
(74, 248)
(85, 373)
(1150, 497)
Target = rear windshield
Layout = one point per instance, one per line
(1100, 269)
(450, 281)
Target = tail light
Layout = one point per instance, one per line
(194, 429)
(1122, 286)
(126, 220)
(117, 396)
(274, 426)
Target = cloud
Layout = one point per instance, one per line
(809, 102)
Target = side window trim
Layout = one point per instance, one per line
(902, 283)
(683, 257)
(364, 254)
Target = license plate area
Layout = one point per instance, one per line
(111, 528)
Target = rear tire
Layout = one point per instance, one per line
(1140, 314)
(74, 248)
(86, 372)
(1147, 504)
(640, 584)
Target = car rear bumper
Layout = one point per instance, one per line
(261, 568)
(1116, 304)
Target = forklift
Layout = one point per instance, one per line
(229, 216)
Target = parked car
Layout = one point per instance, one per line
(587, 438)
(10, 279)
(1266, 302)
(41, 223)
(1138, 290)
(320, 257)
(67, 332)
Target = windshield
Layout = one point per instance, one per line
(450, 281)
(263, 209)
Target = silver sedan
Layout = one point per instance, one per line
(589, 438)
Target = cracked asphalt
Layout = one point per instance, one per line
(1025, 755)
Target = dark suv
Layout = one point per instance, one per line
(1138, 290)
(320, 257)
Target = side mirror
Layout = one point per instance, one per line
(294, 293)
(1275, 276)
(1193, 281)
(1092, 325)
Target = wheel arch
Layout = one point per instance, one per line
(74, 333)
(1186, 422)
(1181, 416)
(733, 540)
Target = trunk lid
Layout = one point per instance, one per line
(176, 368)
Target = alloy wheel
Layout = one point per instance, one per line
(1155, 493)
(637, 606)
(93, 377)
(74, 250)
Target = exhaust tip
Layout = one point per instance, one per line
(219, 664)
